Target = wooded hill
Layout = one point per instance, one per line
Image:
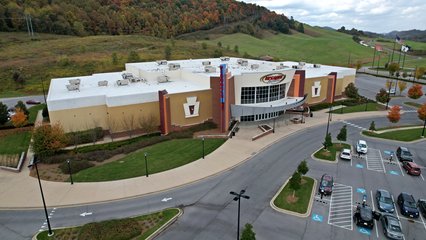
(159, 18)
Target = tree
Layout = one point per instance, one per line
(422, 116)
(19, 119)
(48, 140)
(217, 53)
(372, 126)
(415, 91)
(167, 52)
(389, 84)
(419, 72)
(358, 65)
(342, 134)
(394, 114)
(327, 142)
(300, 28)
(402, 86)
(248, 233)
(351, 91)
(382, 96)
(3, 114)
(133, 57)
(114, 58)
(404, 74)
(204, 45)
(236, 49)
(295, 182)
(219, 44)
(303, 167)
(392, 68)
(21, 105)
(18, 76)
(45, 112)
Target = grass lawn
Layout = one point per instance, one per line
(406, 135)
(33, 112)
(161, 157)
(15, 143)
(330, 153)
(398, 126)
(127, 228)
(303, 196)
(360, 108)
(413, 104)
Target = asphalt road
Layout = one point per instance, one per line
(11, 102)
(210, 213)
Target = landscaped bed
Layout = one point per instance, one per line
(300, 202)
(15, 143)
(329, 154)
(127, 228)
(360, 108)
(406, 135)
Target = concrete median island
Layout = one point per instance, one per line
(330, 153)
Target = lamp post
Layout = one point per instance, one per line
(50, 232)
(146, 165)
(69, 170)
(388, 98)
(237, 197)
(44, 92)
(329, 119)
(203, 145)
(366, 104)
(423, 132)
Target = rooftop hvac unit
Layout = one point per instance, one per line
(174, 66)
(161, 62)
(127, 75)
(280, 67)
(242, 62)
(73, 87)
(74, 81)
(302, 63)
(254, 66)
(210, 69)
(297, 66)
(224, 58)
(206, 63)
(123, 82)
(317, 65)
(163, 79)
(102, 83)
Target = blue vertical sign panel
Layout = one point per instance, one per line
(222, 83)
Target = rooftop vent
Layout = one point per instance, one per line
(317, 65)
(254, 66)
(163, 79)
(74, 85)
(74, 81)
(302, 63)
(242, 62)
(127, 75)
(102, 83)
(297, 66)
(174, 66)
(210, 69)
(206, 63)
(123, 82)
(224, 58)
(161, 62)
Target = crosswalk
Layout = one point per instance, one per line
(340, 212)
(374, 160)
(410, 111)
(353, 125)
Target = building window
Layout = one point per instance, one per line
(247, 95)
(316, 89)
(282, 91)
(262, 94)
(273, 93)
(247, 118)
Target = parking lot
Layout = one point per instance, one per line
(361, 177)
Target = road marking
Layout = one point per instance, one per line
(317, 217)
(397, 215)
(359, 166)
(421, 217)
(86, 214)
(45, 221)
(374, 160)
(364, 231)
(374, 209)
(166, 199)
(340, 210)
(353, 125)
(394, 173)
(421, 175)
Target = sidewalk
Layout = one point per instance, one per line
(19, 191)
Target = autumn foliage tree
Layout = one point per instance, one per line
(394, 114)
(422, 116)
(402, 86)
(415, 91)
(47, 140)
(19, 119)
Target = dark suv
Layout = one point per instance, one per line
(407, 205)
(404, 154)
(326, 184)
(363, 216)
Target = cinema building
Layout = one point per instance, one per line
(177, 94)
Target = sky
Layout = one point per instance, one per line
(380, 16)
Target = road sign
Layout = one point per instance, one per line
(365, 231)
(317, 218)
(359, 166)
(86, 214)
(166, 199)
(394, 172)
(360, 190)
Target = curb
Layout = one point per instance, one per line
(394, 141)
(335, 161)
(152, 236)
(296, 214)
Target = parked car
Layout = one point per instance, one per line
(391, 226)
(421, 204)
(361, 146)
(326, 184)
(407, 205)
(392, 91)
(346, 154)
(363, 216)
(32, 101)
(411, 168)
(404, 154)
(384, 201)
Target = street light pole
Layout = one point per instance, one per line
(69, 170)
(423, 132)
(44, 92)
(329, 119)
(388, 98)
(146, 165)
(203, 147)
(238, 197)
(50, 233)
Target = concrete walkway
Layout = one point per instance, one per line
(19, 191)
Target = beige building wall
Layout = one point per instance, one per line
(177, 111)
(347, 80)
(309, 83)
(340, 87)
(131, 117)
(80, 119)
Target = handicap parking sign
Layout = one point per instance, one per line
(387, 152)
(317, 218)
(365, 231)
(359, 166)
(360, 190)
(394, 172)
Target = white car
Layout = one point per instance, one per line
(392, 91)
(346, 154)
(361, 147)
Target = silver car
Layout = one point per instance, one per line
(391, 226)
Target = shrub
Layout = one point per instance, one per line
(87, 136)
(351, 91)
(415, 92)
(382, 96)
(45, 112)
(76, 166)
(118, 229)
(372, 126)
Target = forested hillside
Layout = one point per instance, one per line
(159, 18)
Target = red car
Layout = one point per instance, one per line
(33, 102)
(411, 168)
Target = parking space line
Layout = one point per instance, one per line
(421, 175)
(397, 215)
(374, 209)
(340, 210)
(424, 225)
(399, 165)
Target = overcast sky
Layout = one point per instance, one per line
(379, 16)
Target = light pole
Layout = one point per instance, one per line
(146, 165)
(329, 119)
(44, 92)
(366, 104)
(69, 170)
(237, 197)
(423, 132)
(203, 145)
(388, 98)
(35, 161)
